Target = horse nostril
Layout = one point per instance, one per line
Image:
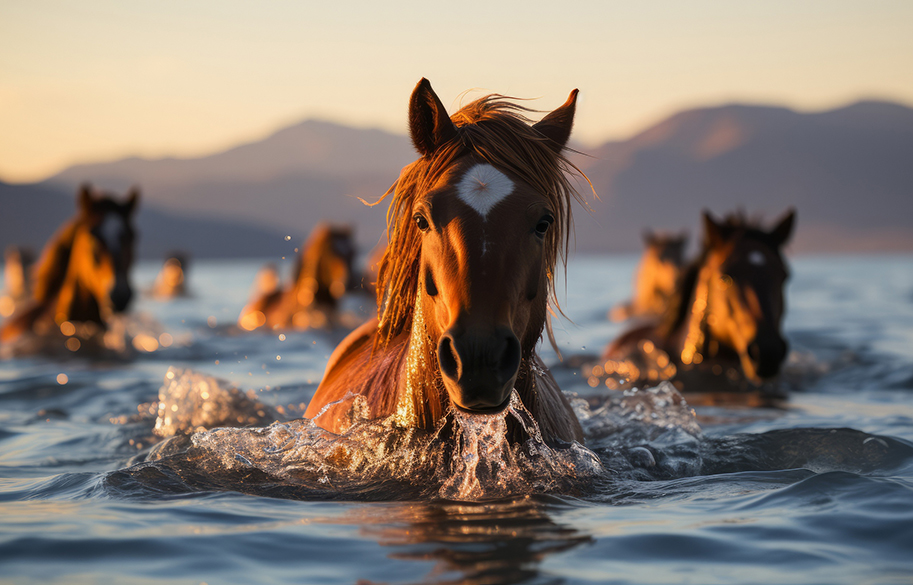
(448, 359)
(509, 362)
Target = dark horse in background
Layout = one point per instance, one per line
(82, 278)
(322, 276)
(475, 228)
(657, 274)
(722, 329)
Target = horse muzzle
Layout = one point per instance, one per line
(120, 296)
(479, 371)
(767, 355)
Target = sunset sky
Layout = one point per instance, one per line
(94, 80)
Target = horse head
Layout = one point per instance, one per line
(740, 287)
(102, 249)
(476, 226)
(324, 268)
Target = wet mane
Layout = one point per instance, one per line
(498, 132)
(734, 226)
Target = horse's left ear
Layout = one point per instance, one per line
(429, 124)
(713, 232)
(784, 228)
(556, 126)
(132, 199)
(84, 197)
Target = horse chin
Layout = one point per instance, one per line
(480, 406)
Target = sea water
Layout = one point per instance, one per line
(111, 471)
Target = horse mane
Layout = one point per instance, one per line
(736, 225)
(51, 269)
(498, 132)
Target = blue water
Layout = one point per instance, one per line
(820, 491)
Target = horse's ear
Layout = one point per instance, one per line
(784, 228)
(556, 126)
(647, 235)
(132, 199)
(429, 124)
(84, 197)
(713, 232)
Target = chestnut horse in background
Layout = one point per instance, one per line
(83, 274)
(171, 281)
(658, 272)
(722, 328)
(322, 276)
(17, 263)
(475, 227)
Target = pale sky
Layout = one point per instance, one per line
(90, 80)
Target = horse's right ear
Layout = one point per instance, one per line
(84, 197)
(647, 236)
(429, 124)
(712, 230)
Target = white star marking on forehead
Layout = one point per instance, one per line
(757, 258)
(483, 187)
(111, 230)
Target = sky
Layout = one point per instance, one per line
(94, 80)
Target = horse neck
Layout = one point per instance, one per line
(693, 334)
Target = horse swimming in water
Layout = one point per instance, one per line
(659, 269)
(475, 228)
(171, 281)
(322, 276)
(17, 263)
(82, 276)
(721, 331)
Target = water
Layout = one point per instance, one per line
(820, 491)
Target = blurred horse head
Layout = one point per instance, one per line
(657, 274)
(322, 276)
(83, 274)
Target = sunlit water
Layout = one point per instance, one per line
(100, 483)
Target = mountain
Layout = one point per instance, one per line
(847, 171)
(286, 182)
(32, 213)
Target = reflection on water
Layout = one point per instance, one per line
(502, 541)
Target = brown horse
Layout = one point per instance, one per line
(171, 281)
(722, 328)
(83, 273)
(17, 262)
(322, 276)
(659, 269)
(475, 228)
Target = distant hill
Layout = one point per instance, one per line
(848, 172)
(286, 182)
(31, 214)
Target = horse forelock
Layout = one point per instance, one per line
(493, 131)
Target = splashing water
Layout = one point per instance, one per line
(487, 465)
(466, 457)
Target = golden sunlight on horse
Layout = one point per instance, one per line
(83, 276)
(722, 329)
(659, 269)
(322, 276)
(475, 228)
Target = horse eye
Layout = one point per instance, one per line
(543, 225)
(421, 222)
